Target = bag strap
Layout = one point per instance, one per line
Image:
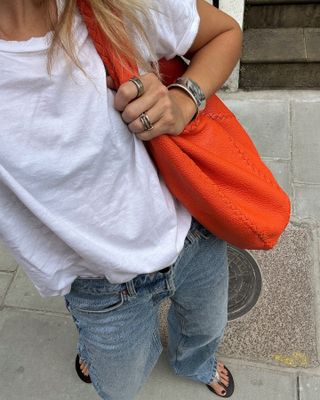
(120, 71)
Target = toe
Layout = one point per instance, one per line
(220, 390)
(223, 373)
(224, 381)
(224, 376)
(84, 368)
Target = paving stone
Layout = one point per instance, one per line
(37, 357)
(309, 387)
(23, 294)
(281, 171)
(306, 143)
(163, 384)
(251, 383)
(306, 201)
(312, 37)
(7, 262)
(263, 120)
(281, 328)
(274, 45)
(5, 279)
(280, 76)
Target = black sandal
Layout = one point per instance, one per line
(229, 389)
(81, 375)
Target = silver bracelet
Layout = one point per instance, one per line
(193, 90)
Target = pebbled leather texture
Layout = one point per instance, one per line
(213, 167)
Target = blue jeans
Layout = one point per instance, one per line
(119, 328)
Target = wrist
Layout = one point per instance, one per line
(185, 103)
(193, 90)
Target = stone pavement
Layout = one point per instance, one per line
(37, 349)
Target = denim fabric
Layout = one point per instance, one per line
(118, 323)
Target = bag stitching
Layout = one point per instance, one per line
(241, 152)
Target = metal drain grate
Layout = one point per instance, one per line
(245, 282)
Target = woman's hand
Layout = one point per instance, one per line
(168, 111)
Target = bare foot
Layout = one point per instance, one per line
(84, 368)
(224, 379)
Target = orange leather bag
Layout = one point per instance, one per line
(213, 167)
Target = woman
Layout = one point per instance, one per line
(81, 205)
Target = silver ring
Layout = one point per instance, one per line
(145, 120)
(138, 84)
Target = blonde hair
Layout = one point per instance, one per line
(110, 15)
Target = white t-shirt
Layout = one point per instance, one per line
(79, 195)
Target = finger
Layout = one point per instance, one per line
(125, 94)
(152, 97)
(157, 130)
(154, 115)
(110, 83)
(153, 91)
(165, 125)
(149, 135)
(128, 91)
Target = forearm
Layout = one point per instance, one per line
(211, 65)
(213, 55)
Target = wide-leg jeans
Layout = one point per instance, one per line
(119, 328)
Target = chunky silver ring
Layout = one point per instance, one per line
(139, 85)
(145, 120)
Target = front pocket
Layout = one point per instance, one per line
(99, 304)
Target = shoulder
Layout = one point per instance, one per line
(171, 4)
(171, 26)
(172, 9)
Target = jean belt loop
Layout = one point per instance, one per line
(170, 281)
(131, 288)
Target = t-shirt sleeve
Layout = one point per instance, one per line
(171, 27)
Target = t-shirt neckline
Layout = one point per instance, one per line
(34, 44)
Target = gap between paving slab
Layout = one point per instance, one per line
(5, 280)
(37, 355)
(22, 294)
(7, 262)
